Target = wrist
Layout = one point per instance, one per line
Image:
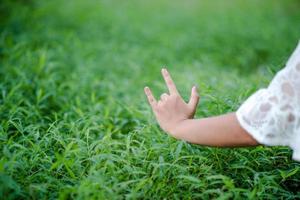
(177, 128)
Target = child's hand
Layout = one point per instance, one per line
(171, 109)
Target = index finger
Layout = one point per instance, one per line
(169, 82)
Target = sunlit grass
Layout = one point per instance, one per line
(74, 122)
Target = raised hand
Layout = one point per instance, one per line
(171, 109)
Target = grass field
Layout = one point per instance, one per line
(74, 122)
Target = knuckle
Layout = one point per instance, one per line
(161, 104)
(176, 96)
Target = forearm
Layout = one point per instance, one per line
(222, 131)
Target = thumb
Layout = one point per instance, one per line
(194, 99)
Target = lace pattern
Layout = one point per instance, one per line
(272, 115)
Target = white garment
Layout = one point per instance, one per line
(272, 115)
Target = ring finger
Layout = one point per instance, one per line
(164, 97)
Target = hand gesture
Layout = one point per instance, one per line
(171, 109)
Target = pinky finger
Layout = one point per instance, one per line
(152, 101)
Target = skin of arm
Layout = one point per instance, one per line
(176, 118)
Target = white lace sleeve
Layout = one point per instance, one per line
(272, 115)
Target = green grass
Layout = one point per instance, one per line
(74, 122)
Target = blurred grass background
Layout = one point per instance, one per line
(74, 122)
